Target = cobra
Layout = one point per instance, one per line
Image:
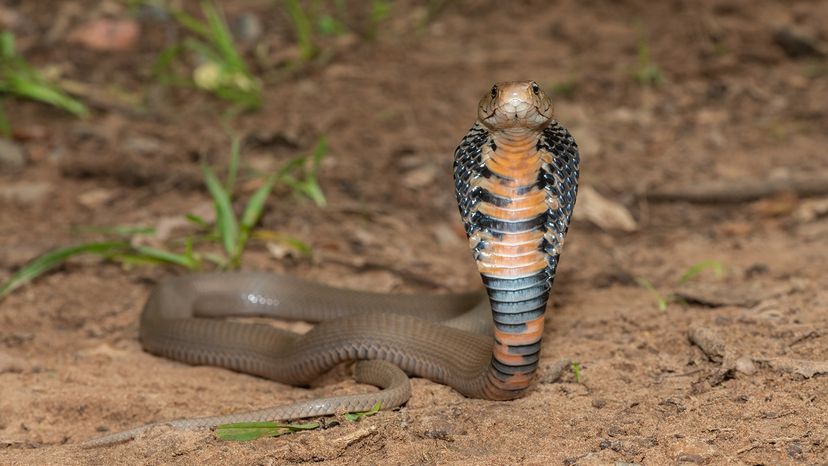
(516, 178)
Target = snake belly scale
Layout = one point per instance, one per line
(516, 179)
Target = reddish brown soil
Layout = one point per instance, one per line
(733, 104)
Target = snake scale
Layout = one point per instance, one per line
(516, 178)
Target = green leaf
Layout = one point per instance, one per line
(221, 38)
(186, 261)
(661, 300)
(7, 45)
(51, 259)
(196, 220)
(716, 266)
(309, 185)
(246, 431)
(19, 79)
(354, 417)
(255, 205)
(576, 369)
(228, 226)
(119, 230)
(191, 23)
(302, 26)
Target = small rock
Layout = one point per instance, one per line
(598, 403)
(438, 435)
(614, 445)
(11, 155)
(689, 458)
(615, 431)
(797, 43)
(25, 193)
(745, 365)
(555, 370)
(109, 35)
(795, 451)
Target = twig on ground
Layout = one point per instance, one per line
(708, 341)
(742, 190)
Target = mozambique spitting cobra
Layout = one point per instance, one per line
(516, 179)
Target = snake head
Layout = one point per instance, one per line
(515, 104)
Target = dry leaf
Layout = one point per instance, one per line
(604, 213)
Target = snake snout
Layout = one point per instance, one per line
(515, 104)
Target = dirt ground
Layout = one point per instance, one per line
(743, 97)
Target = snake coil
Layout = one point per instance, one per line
(516, 179)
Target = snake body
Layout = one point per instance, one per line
(516, 179)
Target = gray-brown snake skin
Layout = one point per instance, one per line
(516, 175)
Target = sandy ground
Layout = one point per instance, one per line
(737, 102)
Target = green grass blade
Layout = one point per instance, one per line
(661, 300)
(122, 230)
(54, 258)
(255, 206)
(197, 221)
(191, 23)
(30, 88)
(576, 369)
(246, 431)
(7, 48)
(226, 222)
(221, 38)
(186, 261)
(302, 26)
(163, 66)
(716, 266)
(354, 417)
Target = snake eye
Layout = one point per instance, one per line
(535, 88)
(494, 91)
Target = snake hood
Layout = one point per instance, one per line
(515, 105)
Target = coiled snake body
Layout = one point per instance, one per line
(516, 179)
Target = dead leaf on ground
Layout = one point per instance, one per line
(603, 212)
(811, 210)
(778, 205)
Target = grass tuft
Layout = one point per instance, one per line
(711, 264)
(247, 431)
(647, 73)
(220, 67)
(576, 370)
(693, 271)
(19, 79)
(229, 232)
